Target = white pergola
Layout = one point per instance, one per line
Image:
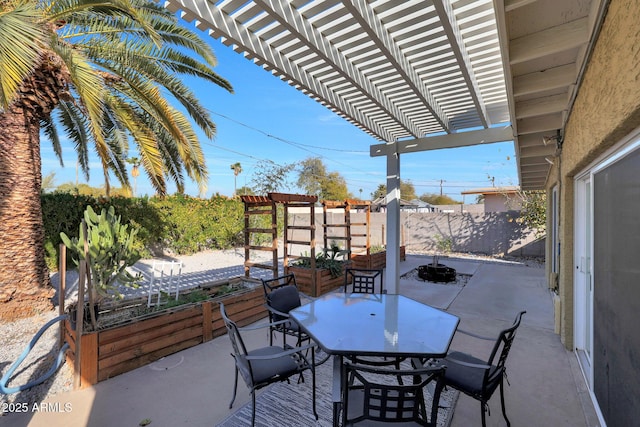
(422, 74)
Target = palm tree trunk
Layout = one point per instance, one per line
(24, 283)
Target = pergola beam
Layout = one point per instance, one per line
(291, 19)
(452, 30)
(221, 25)
(460, 139)
(362, 12)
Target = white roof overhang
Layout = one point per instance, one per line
(421, 74)
(398, 70)
(545, 48)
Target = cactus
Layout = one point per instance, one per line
(110, 252)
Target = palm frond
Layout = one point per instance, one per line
(137, 125)
(76, 128)
(144, 62)
(91, 91)
(65, 9)
(48, 126)
(21, 42)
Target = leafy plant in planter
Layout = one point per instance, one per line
(109, 252)
(328, 259)
(374, 249)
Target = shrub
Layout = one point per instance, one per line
(179, 224)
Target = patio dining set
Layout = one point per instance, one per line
(389, 353)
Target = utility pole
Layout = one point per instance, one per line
(441, 181)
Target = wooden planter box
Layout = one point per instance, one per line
(122, 348)
(376, 260)
(323, 281)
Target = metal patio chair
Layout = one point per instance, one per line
(480, 378)
(281, 295)
(266, 365)
(363, 280)
(375, 397)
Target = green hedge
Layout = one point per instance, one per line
(180, 224)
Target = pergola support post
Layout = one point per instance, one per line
(392, 279)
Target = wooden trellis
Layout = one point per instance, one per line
(348, 236)
(267, 205)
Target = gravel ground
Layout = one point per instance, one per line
(16, 335)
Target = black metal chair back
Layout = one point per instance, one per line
(499, 355)
(374, 394)
(363, 281)
(281, 296)
(269, 285)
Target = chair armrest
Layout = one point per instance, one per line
(274, 311)
(471, 334)
(305, 296)
(263, 325)
(292, 350)
(391, 371)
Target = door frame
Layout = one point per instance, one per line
(581, 215)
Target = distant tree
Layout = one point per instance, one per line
(314, 178)
(87, 190)
(270, 177)
(381, 191)
(135, 172)
(48, 182)
(437, 199)
(334, 187)
(244, 190)
(480, 199)
(407, 191)
(237, 170)
(311, 173)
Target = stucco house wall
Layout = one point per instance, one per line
(606, 109)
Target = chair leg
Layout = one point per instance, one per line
(435, 404)
(313, 381)
(504, 410)
(253, 408)
(483, 409)
(235, 388)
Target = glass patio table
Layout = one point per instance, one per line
(374, 325)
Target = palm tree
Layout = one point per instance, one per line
(135, 172)
(237, 170)
(102, 72)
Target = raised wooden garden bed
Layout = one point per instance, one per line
(375, 260)
(135, 343)
(323, 281)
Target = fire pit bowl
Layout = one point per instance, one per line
(437, 273)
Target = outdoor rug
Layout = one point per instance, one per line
(290, 405)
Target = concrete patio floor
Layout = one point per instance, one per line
(193, 387)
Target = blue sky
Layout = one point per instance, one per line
(268, 119)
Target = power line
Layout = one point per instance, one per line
(307, 148)
(297, 145)
(286, 141)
